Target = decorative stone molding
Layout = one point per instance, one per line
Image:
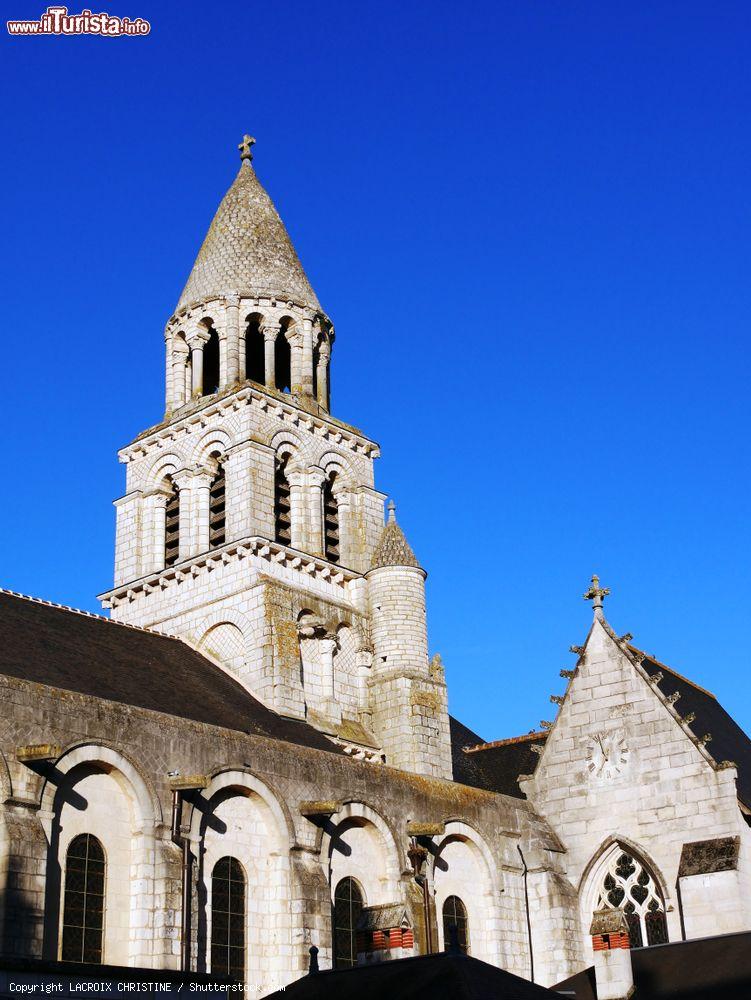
(233, 399)
(262, 548)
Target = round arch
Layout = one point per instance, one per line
(355, 813)
(146, 800)
(240, 778)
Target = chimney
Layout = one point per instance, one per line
(614, 975)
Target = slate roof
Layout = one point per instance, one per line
(729, 742)
(247, 250)
(76, 651)
(424, 977)
(493, 766)
(716, 968)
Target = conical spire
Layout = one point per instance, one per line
(247, 250)
(393, 549)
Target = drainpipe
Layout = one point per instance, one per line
(529, 922)
(180, 787)
(679, 897)
(187, 878)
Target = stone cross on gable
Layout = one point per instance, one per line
(245, 147)
(595, 594)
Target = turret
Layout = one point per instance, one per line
(408, 695)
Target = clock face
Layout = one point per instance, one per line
(607, 754)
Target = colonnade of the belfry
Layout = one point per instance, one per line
(224, 342)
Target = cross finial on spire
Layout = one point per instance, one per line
(245, 147)
(595, 594)
(392, 512)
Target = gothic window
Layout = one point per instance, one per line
(455, 915)
(172, 525)
(217, 514)
(228, 919)
(255, 362)
(211, 364)
(330, 520)
(283, 358)
(83, 903)
(348, 905)
(282, 516)
(630, 885)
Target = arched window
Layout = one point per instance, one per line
(330, 520)
(255, 363)
(211, 364)
(283, 357)
(217, 513)
(172, 524)
(228, 919)
(348, 905)
(629, 884)
(455, 915)
(282, 516)
(83, 904)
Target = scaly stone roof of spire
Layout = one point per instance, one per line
(247, 249)
(393, 549)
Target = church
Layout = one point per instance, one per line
(251, 753)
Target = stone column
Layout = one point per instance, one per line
(183, 480)
(200, 515)
(306, 362)
(154, 531)
(179, 359)
(168, 380)
(232, 338)
(322, 375)
(197, 343)
(314, 505)
(270, 333)
(296, 363)
(296, 480)
(326, 647)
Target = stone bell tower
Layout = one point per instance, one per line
(250, 518)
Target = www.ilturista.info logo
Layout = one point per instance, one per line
(57, 21)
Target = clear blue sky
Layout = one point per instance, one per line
(529, 222)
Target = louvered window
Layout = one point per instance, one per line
(330, 520)
(228, 919)
(83, 904)
(282, 509)
(217, 515)
(172, 527)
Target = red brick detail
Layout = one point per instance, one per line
(379, 940)
(408, 938)
(395, 937)
(606, 942)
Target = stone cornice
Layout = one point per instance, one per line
(311, 567)
(328, 428)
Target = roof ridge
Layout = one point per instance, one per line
(86, 614)
(681, 677)
(507, 742)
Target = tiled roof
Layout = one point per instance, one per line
(423, 977)
(75, 651)
(493, 766)
(715, 968)
(728, 742)
(247, 250)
